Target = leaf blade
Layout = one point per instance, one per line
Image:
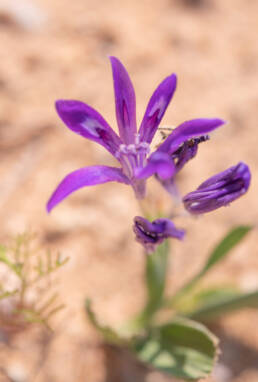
(182, 348)
(214, 309)
(232, 238)
(229, 241)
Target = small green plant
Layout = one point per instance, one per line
(179, 344)
(25, 295)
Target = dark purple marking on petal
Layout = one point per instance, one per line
(159, 163)
(187, 130)
(151, 234)
(87, 122)
(185, 153)
(125, 102)
(219, 190)
(156, 108)
(87, 176)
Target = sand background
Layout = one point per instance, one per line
(52, 49)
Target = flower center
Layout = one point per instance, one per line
(133, 156)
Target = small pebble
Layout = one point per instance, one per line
(23, 13)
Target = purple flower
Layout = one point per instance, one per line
(130, 148)
(151, 234)
(219, 190)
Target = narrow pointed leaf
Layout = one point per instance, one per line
(226, 304)
(198, 298)
(231, 240)
(16, 268)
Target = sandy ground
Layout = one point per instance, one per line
(53, 49)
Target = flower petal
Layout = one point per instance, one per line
(156, 108)
(188, 130)
(240, 171)
(159, 163)
(85, 121)
(171, 187)
(219, 190)
(125, 101)
(87, 176)
(151, 234)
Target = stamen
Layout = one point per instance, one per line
(133, 155)
(132, 149)
(137, 139)
(145, 146)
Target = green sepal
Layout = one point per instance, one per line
(182, 348)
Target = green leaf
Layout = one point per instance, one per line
(7, 294)
(200, 297)
(182, 348)
(3, 258)
(232, 239)
(226, 304)
(225, 245)
(215, 293)
(16, 268)
(33, 317)
(109, 334)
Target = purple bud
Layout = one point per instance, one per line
(219, 190)
(151, 234)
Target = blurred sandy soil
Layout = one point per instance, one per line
(52, 49)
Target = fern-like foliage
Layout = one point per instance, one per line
(26, 293)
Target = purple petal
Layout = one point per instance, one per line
(240, 171)
(151, 234)
(170, 186)
(125, 102)
(187, 130)
(156, 108)
(87, 122)
(159, 163)
(219, 190)
(87, 176)
(185, 153)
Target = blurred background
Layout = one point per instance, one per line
(52, 49)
